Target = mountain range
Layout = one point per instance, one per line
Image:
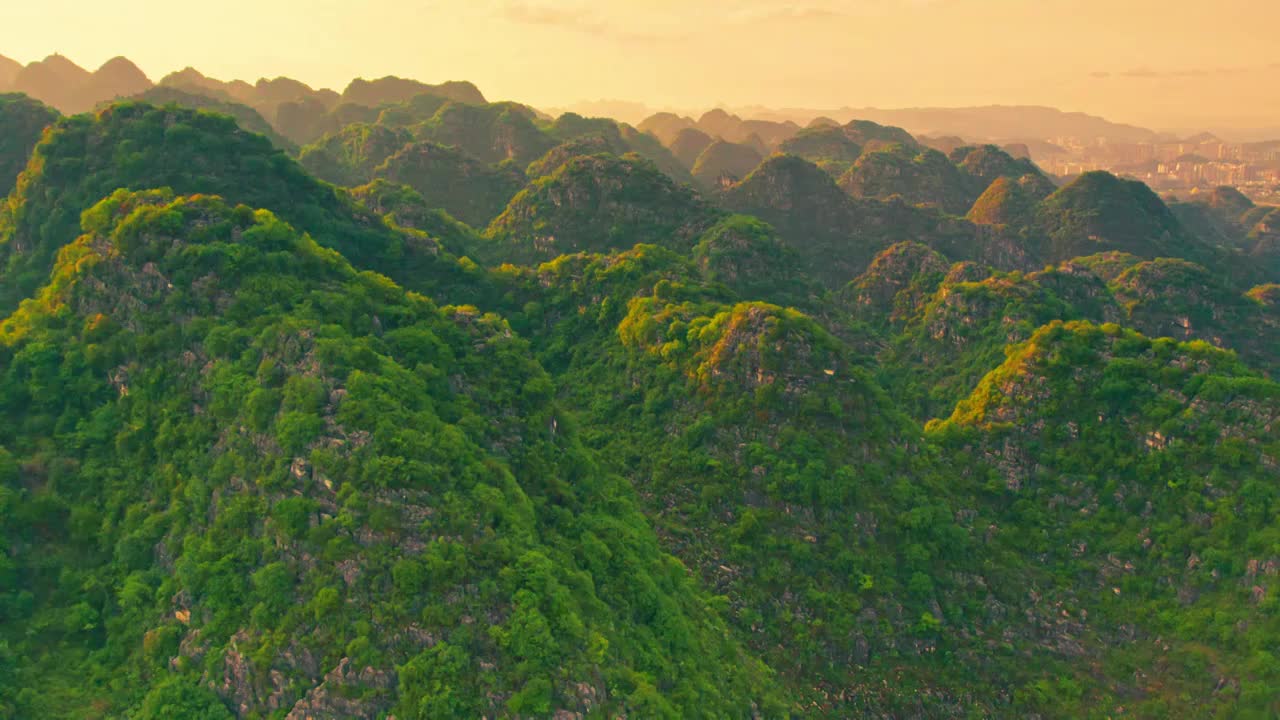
(405, 402)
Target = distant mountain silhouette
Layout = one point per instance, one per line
(9, 70)
(117, 78)
(689, 144)
(873, 136)
(724, 160)
(764, 135)
(52, 81)
(395, 90)
(70, 88)
(245, 116)
(990, 122)
(666, 126)
(827, 146)
(192, 80)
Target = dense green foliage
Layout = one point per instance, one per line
(1100, 212)
(920, 177)
(274, 448)
(827, 147)
(985, 164)
(324, 462)
(134, 145)
(1140, 473)
(350, 156)
(246, 117)
(835, 235)
(595, 203)
(465, 188)
(22, 122)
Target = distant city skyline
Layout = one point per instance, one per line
(1163, 64)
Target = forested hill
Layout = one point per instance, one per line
(406, 403)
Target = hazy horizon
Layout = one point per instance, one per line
(1163, 65)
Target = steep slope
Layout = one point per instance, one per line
(598, 203)
(557, 156)
(1138, 479)
(350, 156)
(621, 139)
(988, 163)
(193, 81)
(723, 163)
(303, 120)
(22, 122)
(490, 133)
(837, 236)
(134, 145)
(925, 178)
(874, 136)
(943, 328)
(1100, 212)
(9, 70)
(760, 447)
(1179, 299)
(245, 116)
(117, 78)
(1262, 242)
(746, 255)
(830, 148)
(54, 81)
(453, 181)
(689, 144)
(390, 89)
(897, 285)
(58, 82)
(949, 330)
(1227, 202)
(854, 558)
(1012, 202)
(300, 489)
(666, 126)
(273, 92)
(405, 208)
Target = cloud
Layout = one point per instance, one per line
(579, 19)
(666, 20)
(772, 12)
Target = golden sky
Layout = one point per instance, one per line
(1162, 63)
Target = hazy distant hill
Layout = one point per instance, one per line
(245, 116)
(193, 80)
(993, 122)
(764, 135)
(979, 123)
(280, 437)
(395, 90)
(9, 70)
(70, 88)
(52, 80)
